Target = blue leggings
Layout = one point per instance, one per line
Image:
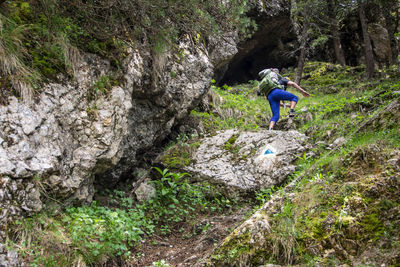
(274, 99)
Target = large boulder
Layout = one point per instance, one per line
(381, 41)
(248, 160)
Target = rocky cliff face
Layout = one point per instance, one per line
(58, 146)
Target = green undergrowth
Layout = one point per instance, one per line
(331, 216)
(346, 204)
(179, 154)
(103, 233)
(42, 41)
(345, 200)
(235, 107)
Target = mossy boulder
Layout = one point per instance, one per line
(247, 160)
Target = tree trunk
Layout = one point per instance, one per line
(396, 24)
(389, 24)
(335, 34)
(369, 57)
(303, 50)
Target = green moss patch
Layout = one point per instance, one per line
(180, 154)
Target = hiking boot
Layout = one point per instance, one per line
(292, 113)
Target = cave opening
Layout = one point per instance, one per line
(272, 45)
(247, 68)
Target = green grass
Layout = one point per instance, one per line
(97, 233)
(240, 109)
(36, 43)
(336, 199)
(345, 194)
(389, 137)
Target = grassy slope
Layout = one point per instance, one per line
(345, 208)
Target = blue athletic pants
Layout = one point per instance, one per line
(274, 99)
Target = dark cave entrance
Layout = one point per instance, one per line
(247, 68)
(272, 45)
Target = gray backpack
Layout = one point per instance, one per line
(270, 80)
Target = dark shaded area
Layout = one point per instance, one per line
(274, 45)
(271, 46)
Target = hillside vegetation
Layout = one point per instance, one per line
(43, 40)
(340, 207)
(343, 206)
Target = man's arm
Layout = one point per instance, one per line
(301, 90)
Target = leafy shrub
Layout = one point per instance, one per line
(98, 232)
(177, 200)
(133, 20)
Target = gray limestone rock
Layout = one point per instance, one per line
(64, 142)
(9, 258)
(248, 160)
(145, 191)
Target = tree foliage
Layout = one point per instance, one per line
(40, 39)
(321, 24)
(157, 22)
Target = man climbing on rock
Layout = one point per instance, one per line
(272, 85)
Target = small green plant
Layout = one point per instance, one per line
(160, 263)
(174, 197)
(177, 200)
(230, 145)
(265, 194)
(101, 87)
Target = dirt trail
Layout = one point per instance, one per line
(183, 249)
